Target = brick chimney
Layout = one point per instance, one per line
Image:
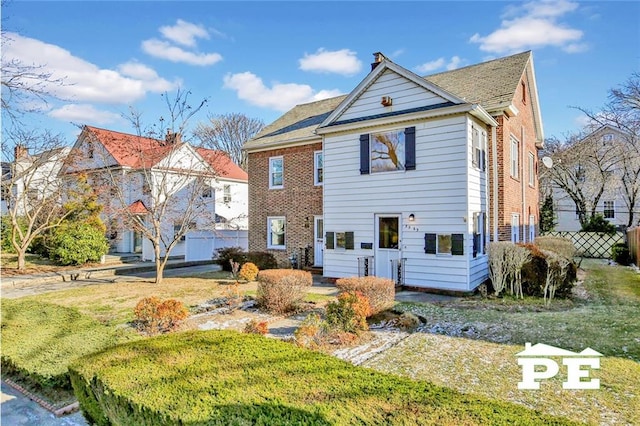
(20, 151)
(378, 57)
(173, 138)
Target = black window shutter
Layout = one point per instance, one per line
(410, 148)
(349, 241)
(457, 244)
(329, 241)
(430, 243)
(364, 154)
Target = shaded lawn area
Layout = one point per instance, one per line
(470, 346)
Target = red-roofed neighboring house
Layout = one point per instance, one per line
(132, 174)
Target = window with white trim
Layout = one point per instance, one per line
(609, 210)
(478, 143)
(318, 170)
(515, 155)
(515, 228)
(276, 173)
(532, 169)
(479, 231)
(226, 195)
(276, 233)
(532, 228)
(387, 151)
(443, 244)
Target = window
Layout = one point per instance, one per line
(276, 233)
(388, 232)
(515, 155)
(318, 170)
(609, 210)
(146, 188)
(207, 192)
(532, 228)
(607, 137)
(580, 173)
(226, 198)
(443, 244)
(478, 143)
(276, 176)
(387, 151)
(89, 150)
(341, 240)
(178, 226)
(532, 169)
(479, 231)
(515, 228)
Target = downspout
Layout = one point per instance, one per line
(494, 159)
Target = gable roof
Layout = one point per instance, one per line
(141, 152)
(492, 85)
(298, 124)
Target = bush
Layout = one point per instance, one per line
(256, 327)
(349, 313)
(154, 315)
(311, 332)
(39, 340)
(281, 290)
(77, 244)
(262, 260)
(248, 272)
(597, 223)
(380, 292)
(559, 245)
(620, 254)
(228, 378)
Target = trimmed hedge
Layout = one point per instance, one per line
(39, 340)
(263, 260)
(230, 378)
(380, 292)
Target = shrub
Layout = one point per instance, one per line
(228, 378)
(620, 254)
(311, 332)
(559, 245)
(597, 223)
(154, 315)
(77, 244)
(248, 272)
(281, 290)
(227, 254)
(349, 313)
(557, 271)
(262, 260)
(256, 327)
(380, 292)
(499, 271)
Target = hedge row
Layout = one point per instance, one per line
(39, 340)
(227, 378)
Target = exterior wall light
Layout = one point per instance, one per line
(412, 217)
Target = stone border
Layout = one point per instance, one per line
(68, 409)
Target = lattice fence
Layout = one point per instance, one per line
(591, 244)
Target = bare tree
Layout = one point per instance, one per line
(164, 189)
(228, 133)
(33, 194)
(622, 112)
(583, 168)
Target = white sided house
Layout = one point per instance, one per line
(405, 183)
(132, 175)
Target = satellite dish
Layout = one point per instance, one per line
(548, 162)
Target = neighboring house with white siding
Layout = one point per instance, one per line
(131, 172)
(416, 174)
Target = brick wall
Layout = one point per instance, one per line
(299, 201)
(510, 199)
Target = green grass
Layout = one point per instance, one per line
(606, 321)
(223, 377)
(39, 340)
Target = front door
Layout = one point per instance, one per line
(387, 250)
(318, 241)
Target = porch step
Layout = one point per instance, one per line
(315, 270)
(122, 257)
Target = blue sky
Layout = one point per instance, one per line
(261, 58)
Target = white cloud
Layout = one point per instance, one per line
(343, 62)
(184, 33)
(533, 25)
(84, 113)
(439, 63)
(81, 80)
(165, 50)
(281, 97)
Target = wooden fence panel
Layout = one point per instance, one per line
(591, 244)
(633, 239)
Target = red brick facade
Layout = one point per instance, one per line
(298, 201)
(510, 188)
